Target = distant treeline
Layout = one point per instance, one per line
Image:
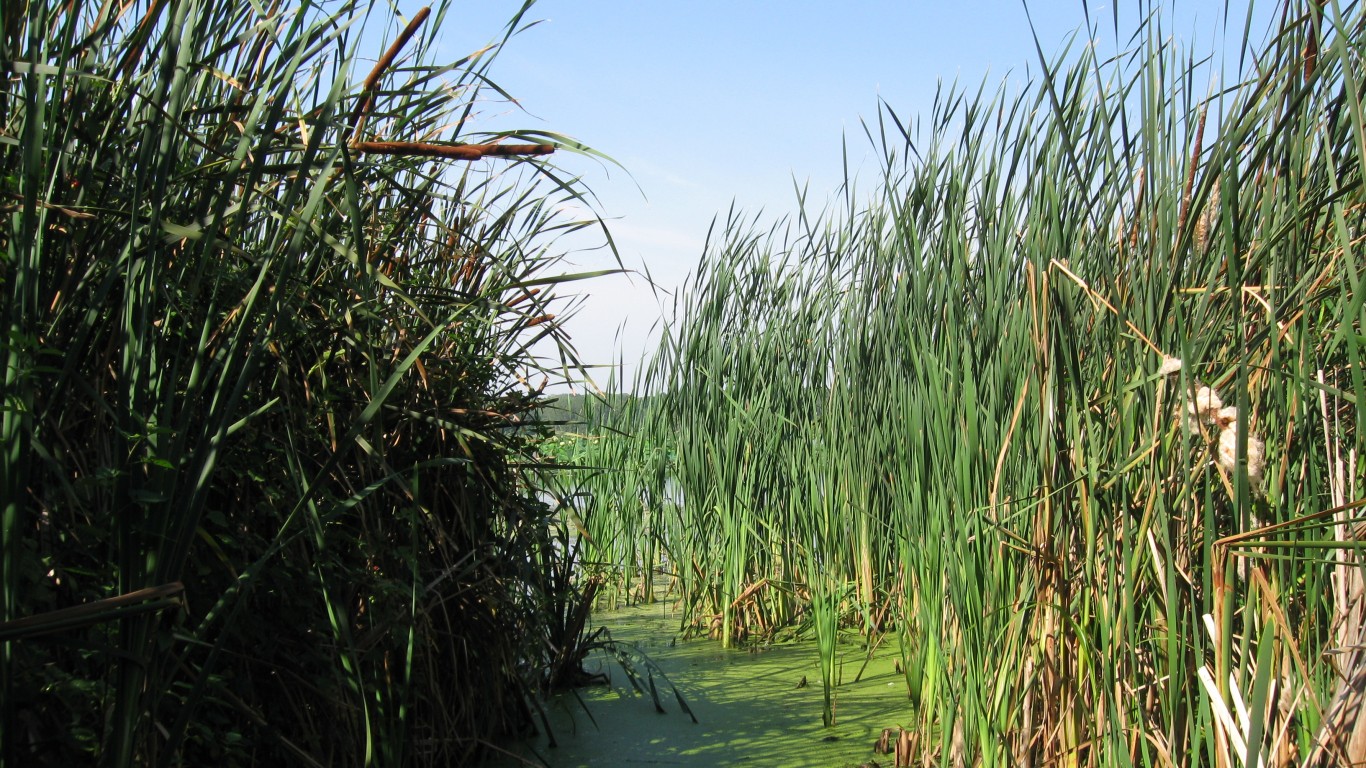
(575, 413)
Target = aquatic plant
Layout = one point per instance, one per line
(268, 491)
(953, 406)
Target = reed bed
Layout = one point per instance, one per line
(1066, 407)
(269, 490)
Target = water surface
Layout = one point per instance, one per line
(751, 704)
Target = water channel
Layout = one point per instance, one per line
(759, 707)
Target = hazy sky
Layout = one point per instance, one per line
(708, 103)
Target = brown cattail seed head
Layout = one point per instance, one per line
(1208, 218)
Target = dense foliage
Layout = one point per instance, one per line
(1068, 408)
(265, 394)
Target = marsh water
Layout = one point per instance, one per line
(754, 706)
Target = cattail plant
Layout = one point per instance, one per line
(268, 492)
(1065, 402)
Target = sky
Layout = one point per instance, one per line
(707, 104)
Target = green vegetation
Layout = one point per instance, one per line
(1068, 407)
(1065, 409)
(267, 491)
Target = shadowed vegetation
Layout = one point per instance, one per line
(266, 389)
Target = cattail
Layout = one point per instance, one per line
(1256, 461)
(1206, 402)
(519, 299)
(1169, 366)
(1228, 454)
(1203, 409)
(1208, 217)
(1190, 175)
(1208, 408)
(1228, 448)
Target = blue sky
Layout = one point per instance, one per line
(708, 103)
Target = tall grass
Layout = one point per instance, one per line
(951, 411)
(268, 496)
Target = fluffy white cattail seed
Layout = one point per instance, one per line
(1228, 448)
(1169, 366)
(1203, 409)
(1228, 454)
(1206, 403)
(1256, 461)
